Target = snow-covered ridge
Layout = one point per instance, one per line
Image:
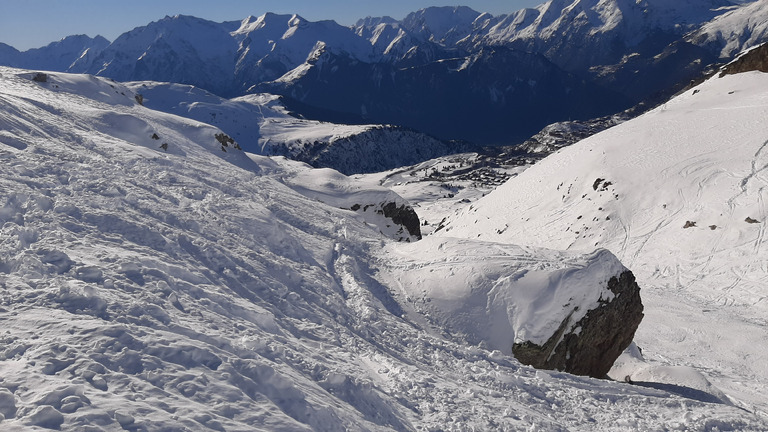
(735, 31)
(188, 287)
(261, 124)
(678, 195)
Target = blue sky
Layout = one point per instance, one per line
(28, 24)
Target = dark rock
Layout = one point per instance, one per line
(592, 345)
(139, 99)
(225, 140)
(754, 60)
(403, 215)
(689, 224)
(40, 77)
(597, 183)
(751, 221)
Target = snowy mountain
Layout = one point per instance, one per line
(496, 96)
(9, 55)
(262, 125)
(619, 52)
(678, 195)
(60, 55)
(153, 276)
(64, 54)
(578, 34)
(179, 49)
(443, 25)
(272, 45)
(735, 31)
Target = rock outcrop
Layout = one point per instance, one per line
(592, 345)
(403, 215)
(753, 60)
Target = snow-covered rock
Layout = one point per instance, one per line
(378, 206)
(553, 310)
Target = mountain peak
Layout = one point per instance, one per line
(446, 24)
(370, 21)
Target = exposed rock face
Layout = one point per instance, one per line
(754, 60)
(403, 215)
(592, 345)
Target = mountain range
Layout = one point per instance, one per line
(451, 72)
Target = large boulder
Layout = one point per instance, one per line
(550, 309)
(591, 345)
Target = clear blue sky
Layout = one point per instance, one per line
(28, 24)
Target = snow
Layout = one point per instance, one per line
(256, 122)
(697, 161)
(500, 294)
(261, 124)
(445, 25)
(734, 31)
(435, 197)
(196, 289)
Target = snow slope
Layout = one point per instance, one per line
(255, 121)
(679, 195)
(261, 124)
(191, 289)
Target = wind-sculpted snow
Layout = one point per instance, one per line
(185, 287)
(678, 194)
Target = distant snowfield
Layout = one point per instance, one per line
(153, 279)
(679, 195)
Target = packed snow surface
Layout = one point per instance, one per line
(189, 286)
(679, 195)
